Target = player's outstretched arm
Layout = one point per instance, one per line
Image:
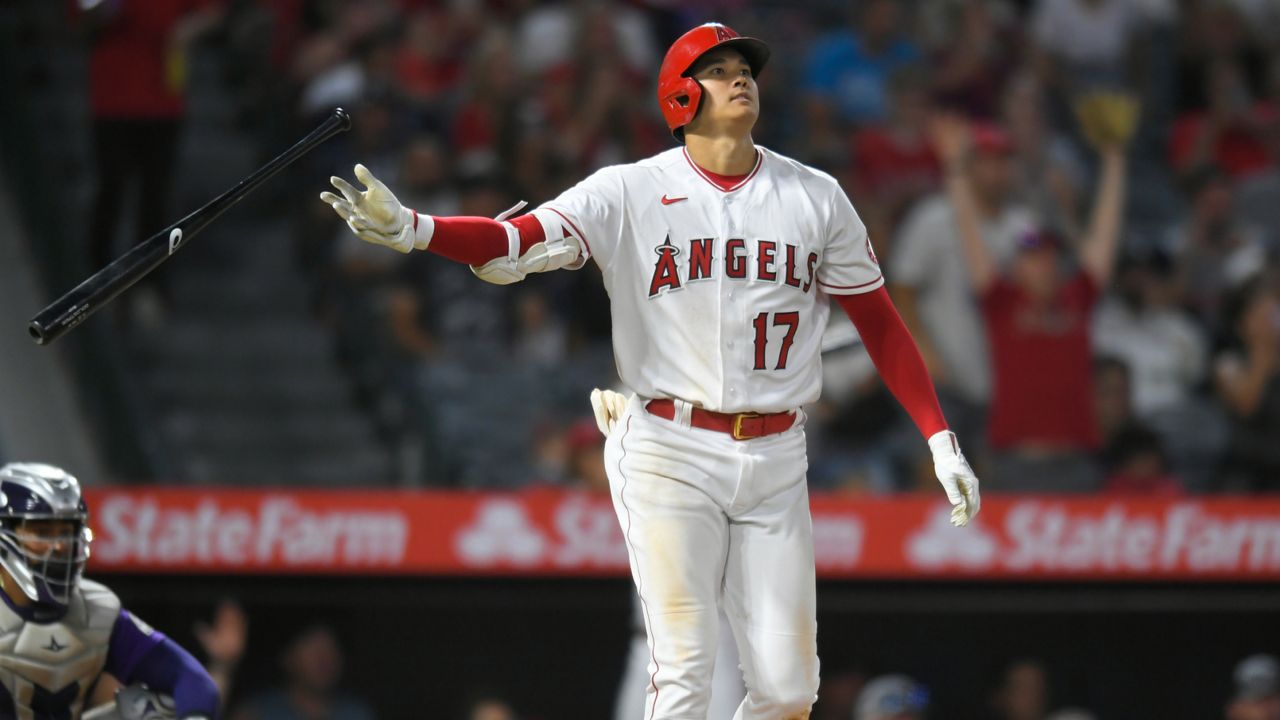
(498, 251)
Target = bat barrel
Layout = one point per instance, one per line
(97, 290)
(100, 288)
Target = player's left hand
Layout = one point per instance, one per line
(956, 476)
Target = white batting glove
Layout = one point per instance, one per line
(956, 476)
(376, 216)
(608, 406)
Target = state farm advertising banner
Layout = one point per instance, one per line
(555, 533)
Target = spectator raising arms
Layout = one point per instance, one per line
(1042, 430)
(1248, 378)
(934, 293)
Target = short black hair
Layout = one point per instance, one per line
(711, 57)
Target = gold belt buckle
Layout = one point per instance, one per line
(737, 425)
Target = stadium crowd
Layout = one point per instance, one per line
(1119, 160)
(1158, 376)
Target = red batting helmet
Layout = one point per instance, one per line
(678, 94)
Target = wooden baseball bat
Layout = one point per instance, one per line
(104, 285)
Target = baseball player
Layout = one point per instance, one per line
(58, 632)
(720, 258)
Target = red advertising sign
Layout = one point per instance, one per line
(556, 533)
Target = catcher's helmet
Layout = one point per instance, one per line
(46, 571)
(678, 94)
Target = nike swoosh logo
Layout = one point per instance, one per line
(668, 200)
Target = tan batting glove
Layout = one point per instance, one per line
(376, 216)
(608, 406)
(956, 476)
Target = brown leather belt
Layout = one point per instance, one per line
(740, 426)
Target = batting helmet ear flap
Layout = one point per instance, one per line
(681, 99)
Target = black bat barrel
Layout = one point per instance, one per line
(100, 288)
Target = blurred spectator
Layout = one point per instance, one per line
(586, 456)
(1141, 323)
(1021, 691)
(552, 448)
(846, 74)
(1048, 170)
(541, 338)
(423, 182)
(1214, 251)
(595, 106)
(1257, 198)
(1229, 132)
(935, 294)
(374, 139)
(1136, 465)
(1215, 32)
(137, 98)
(1086, 45)
(893, 163)
(1166, 353)
(1113, 397)
(1257, 689)
(486, 126)
(223, 642)
(312, 663)
(429, 59)
(425, 177)
(976, 58)
(838, 692)
(1042, 426)
(892, 697)
(351, 55)
(465, 315)
(545, 35)
(1248, 382)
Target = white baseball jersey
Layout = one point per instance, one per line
(46, 668)
(718, 297)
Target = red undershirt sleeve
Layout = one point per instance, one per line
(896, 356)
(477, 240)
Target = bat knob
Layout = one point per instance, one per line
(343, 117)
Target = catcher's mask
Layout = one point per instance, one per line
(44, 538)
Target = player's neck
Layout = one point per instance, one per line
(722, 154)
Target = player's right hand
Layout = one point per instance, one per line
(375, 215)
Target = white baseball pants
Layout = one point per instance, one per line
(709, 519)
